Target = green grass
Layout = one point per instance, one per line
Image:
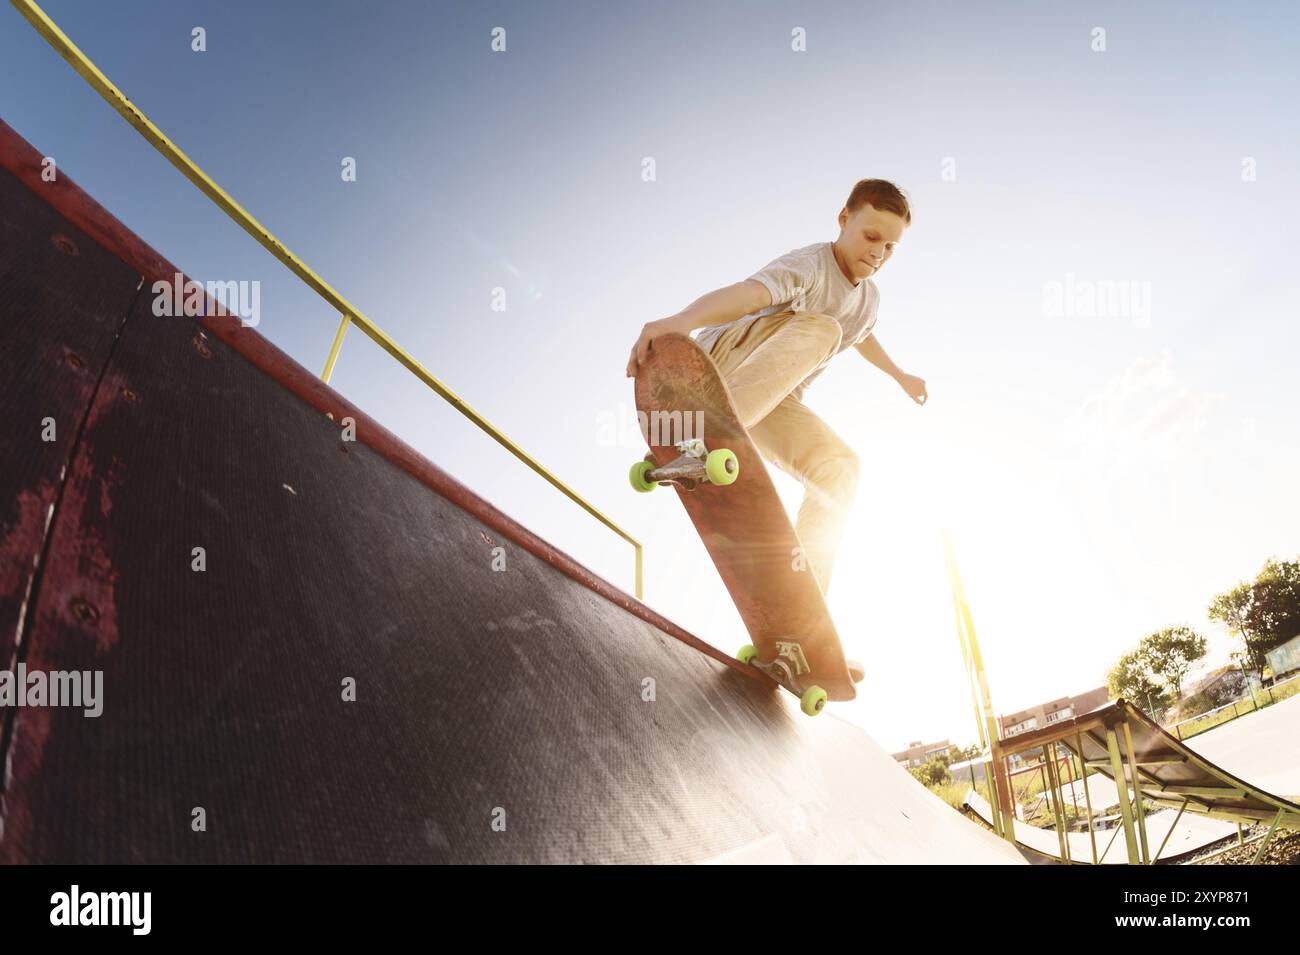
(1264, 698)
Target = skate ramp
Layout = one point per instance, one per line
(371, 663)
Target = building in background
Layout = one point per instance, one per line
(1047, 714)
(918, 753)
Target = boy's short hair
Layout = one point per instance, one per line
(879, 194)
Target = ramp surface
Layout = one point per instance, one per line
(509, 705)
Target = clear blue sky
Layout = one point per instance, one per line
(1103, 475)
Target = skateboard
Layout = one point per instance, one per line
(698, 445)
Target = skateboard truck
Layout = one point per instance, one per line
(786, 669)
(794, 653)
(694, 465)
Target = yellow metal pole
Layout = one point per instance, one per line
(993, 806)
(640, 590)
(968, 629)
(1069, 775)
(325, 375)
(1049, 754)
(1087, 797)
(1137, 794)
(988, 726)
(1165, 840)
(1264, 843)
(966, 666)
(1060, 785)
(1110, 842)
(1005, 810)
(187, 168)
(1121, 788)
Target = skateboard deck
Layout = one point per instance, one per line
(735, 508)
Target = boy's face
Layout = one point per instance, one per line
(867, 240)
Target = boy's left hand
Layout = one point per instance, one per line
(914, 386)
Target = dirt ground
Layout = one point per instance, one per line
(1284, 849)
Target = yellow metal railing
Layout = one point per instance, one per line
(351, 315)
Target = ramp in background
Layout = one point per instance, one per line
(1123, 744)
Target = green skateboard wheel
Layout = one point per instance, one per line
(814, 698)
(722, 466)
(637, 477)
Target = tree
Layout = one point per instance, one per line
(1133, 679)
(1277, 602)
(1264, 613)
(1170, 653)
(933, 773)
(1152, 675)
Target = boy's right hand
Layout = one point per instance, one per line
(641, 350)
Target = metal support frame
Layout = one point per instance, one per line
(1172, 827)
(1121, 789)
(1087, 796)
(1137, 793)
(1268, 838)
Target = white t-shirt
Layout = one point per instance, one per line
(826, 292)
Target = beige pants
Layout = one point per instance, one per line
(763, 362)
